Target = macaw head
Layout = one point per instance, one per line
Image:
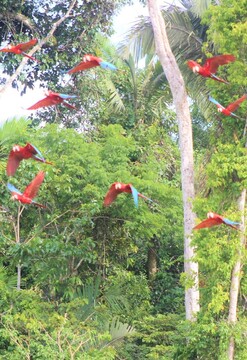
(220, 109)
(118, 186)
(210, 215)
(14, 197)
(16, 148)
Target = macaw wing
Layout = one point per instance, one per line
(135, 195)
(37, 151)
(13, 189)
(27, 45)
(230, 223)
(214, 101)
(13, 163)
(111, 195)
(213, 63)
(83, 66)
(107, 65)
(32, 189)
(208, 223)
(233, 106)
(69, 105)
(47, 101)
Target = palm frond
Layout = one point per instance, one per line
(200, 6)
(115, 101)
(13, 129)
(119, 330)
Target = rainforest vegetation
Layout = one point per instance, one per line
(80, 281)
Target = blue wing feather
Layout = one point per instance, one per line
(213, 100)
(135, 195)
(65, 96)
(13, 189)
(38, 152)
(230, 222)
(107, 65)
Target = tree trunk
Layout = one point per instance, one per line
(236, 276)
(179, 94)
(152, 263)
(18, 285)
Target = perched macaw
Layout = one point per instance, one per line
(214, 219)
(211, 66)
(21, 48)
(19, 153)
(53, 98)
(118, 188)
(228, 111)
(90, 61)
(30, 191)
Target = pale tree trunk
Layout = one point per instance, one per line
(236, 272)
(180, 100)
(18, 241)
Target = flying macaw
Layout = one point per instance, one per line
(228, 111)
(53, 98)
(211, 66)
(118, 188)
(90, 61)
(20, 48)
(30, 191)
(19, 153)
(214, 219)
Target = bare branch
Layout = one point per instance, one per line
(19, 17)
(38, 47)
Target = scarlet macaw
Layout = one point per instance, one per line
(30, 191)
(228, 111)
(216, 219)
(20, 48)
(19, 153)
(90, 61)
(117, 188)
(211, 66)
(51, 99)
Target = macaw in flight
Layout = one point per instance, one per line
(53, 98)
(228, 111)
(214, 219)
(211, 66)
(90, 61)
(118, 188)
(30, 191)
(21, 48)
(19, 153)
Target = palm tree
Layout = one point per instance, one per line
(186, 35)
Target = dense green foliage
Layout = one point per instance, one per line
(90, 288)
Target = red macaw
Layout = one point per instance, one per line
(117, 188)
(90, 61)
(19, 153)
(211, 66)
(228, 111)
(30, 191)
(53, 98)
(216, 219)
(20, 48)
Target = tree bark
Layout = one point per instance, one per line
(179, 94)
